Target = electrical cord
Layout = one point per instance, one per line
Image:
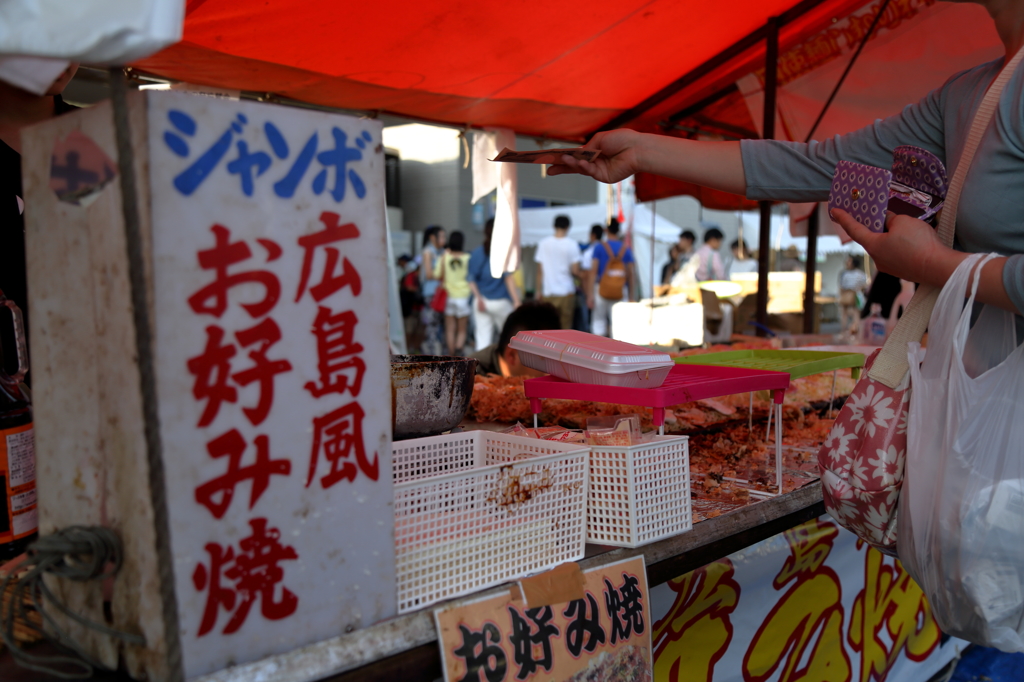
(76, 553)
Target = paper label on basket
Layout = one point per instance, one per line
(608, 437)
(630, 423)
(562, 584)
(548, 156)
(545, 431)
(567, 436)
(500, 639)
(516, 429)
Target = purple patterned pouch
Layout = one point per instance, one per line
(862, 191)
(918, 182)
(916, 186)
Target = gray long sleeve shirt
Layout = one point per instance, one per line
(990, 216)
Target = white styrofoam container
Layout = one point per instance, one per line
(590, 359)
(477, 509)
(639, 494)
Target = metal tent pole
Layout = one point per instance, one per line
(846, 72)
(768, 132)
(650, 319)
(735, 50)
(812, 222)
(811, 269)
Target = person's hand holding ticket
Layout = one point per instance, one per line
(619, 157)
(548, 156)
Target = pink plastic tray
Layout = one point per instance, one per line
(684, 384)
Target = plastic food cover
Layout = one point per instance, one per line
(91, 31)
(590, 351)
(587, 358)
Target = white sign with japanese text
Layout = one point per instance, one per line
(605, 634)
(272, 367)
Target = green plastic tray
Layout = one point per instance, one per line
(798, 363)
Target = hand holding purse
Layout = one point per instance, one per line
(863, 459)
(916, 186)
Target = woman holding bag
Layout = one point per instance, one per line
(975, 124)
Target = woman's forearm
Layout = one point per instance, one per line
(718, 165)
(991, 290)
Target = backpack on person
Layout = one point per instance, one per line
(614, 277)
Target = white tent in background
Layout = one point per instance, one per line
(782, 239)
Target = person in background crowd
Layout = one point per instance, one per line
(852, 281)
(672, 266)
(601, 306)
(452, 270)
(741, 260)
(685, 245)
(679, 255)
(558, 261)
(411, 299)
(884, 290)
(502, 359)
(709, 261)
(434, 239)
(586, 258)
(789, 260)
(20, 108)
(586, 285)
(495, 297)
(433, 248)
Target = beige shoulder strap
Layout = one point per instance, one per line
(891, 364)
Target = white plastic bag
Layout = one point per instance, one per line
(961, 524)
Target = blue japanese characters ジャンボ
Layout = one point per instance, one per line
(337, 161)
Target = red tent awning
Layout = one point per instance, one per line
(559, 70)
(562, 69)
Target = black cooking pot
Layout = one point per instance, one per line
(429, 393)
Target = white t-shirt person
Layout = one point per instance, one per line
(556, 256)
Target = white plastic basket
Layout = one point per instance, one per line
(476, 509)
(590, 359)
(639, 494)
